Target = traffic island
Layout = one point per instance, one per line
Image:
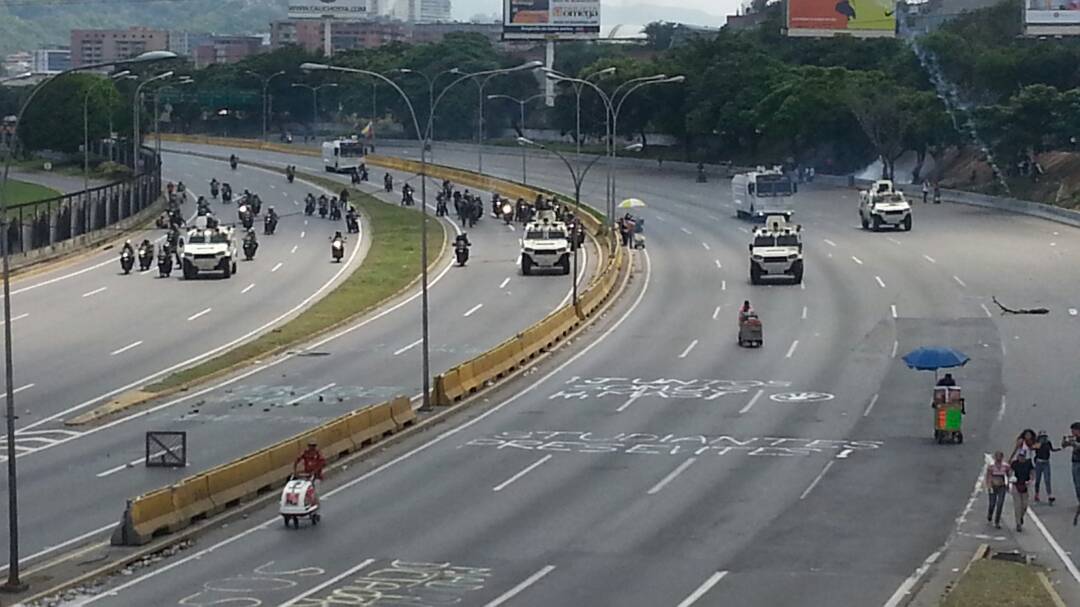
(992, 580)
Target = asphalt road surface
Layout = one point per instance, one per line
(472, 309)
(664, 465)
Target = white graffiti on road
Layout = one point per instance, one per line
(801, 397)
(637, 443)
(404, 583)
(701, 389)
(250, 590)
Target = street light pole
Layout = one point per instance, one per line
(267, 102)
(425, 139)
(136, 130)
(577, 103)
(431, 81)
(157, 116)
(314, 98)
(481, 79)
(521, 103)
(14, 584)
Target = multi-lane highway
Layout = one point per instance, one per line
(472, 309)
(660, 464)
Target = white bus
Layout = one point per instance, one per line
(342, 155)
(763, 192)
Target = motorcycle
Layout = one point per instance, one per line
(335, 212)
(352, 224)
(214, 189)
(290, 175)
(269, 225)
(322, 209)
(233, 162)
(309, 207)
(226, 195)
(247, 219)
(337, 249)
(146, 258)
(256, 204)
(250, 246)
(388, 183)
(164, 264)
(461, 251)
(406, 196)
(508, 213)
(127, 261)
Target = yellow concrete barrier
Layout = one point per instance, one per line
(402, 412)
(152, 514)
(191, 500)
(382, 423)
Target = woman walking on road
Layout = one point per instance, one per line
(997, 485)
(1022, 470)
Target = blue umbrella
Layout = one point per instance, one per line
(932, 358)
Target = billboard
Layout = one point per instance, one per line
(551, 19)
(316, 9)
(1051, 17)
(859, 18)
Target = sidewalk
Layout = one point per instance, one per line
(973, 530)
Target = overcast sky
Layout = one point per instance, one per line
(464, 9)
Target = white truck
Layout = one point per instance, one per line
(884, 206)
(776, 250)
(545, 245)
(342, 155)
(763, 192)
(209, 249)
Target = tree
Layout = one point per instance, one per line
(56, 113)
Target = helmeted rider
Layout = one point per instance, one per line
(462, 239)
(746, 311)
(130, 250)
(271, 213)
(313, 461)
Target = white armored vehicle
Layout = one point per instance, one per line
(883, 206)
(776, 250)
(209, 249)
(545, 245)
(763, 192)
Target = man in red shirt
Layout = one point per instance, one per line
(313, 461)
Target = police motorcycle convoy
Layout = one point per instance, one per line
(337, 247)
(251, 244)
(146, 255)
(461, 248)
(270, 221)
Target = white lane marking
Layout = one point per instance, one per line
(112, 471)
(716, 312)
(893, 240)
(959, 282)
(1064, 556)
(805, 310)
(19, 317)
(629, 401)
(686, 352)
(856, 260)
(892, 308)
(294, 248)
(17, 390)
(986, 310)
(198, 314)
(830, 243)
(713, 580)
(817, 479)
(661, 218)
(905, 588)
(791, 350)
(502, 285)
(408, 347)
(881, 283)
(64, 277)
(305, 222)
(516, 590)
(723, 285)
(870, 407)
(685, 231)
(230, 344)
(706, 245)
(528, 469)
(277, 267)
(472, 310)
(744, 230)
(314, 392)
(95, 291)
(125, 348)
(753, 399)
(895, 345)
(930, 259)
(671, 476)
(302, 234)
(248, 288)
(393, 462)
(1001, 409)
(719, 266)
(844, 454)
(327, 583)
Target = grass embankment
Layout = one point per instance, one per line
(392, 262)
(21, 192)
(989, 582)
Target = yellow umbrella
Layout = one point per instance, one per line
(631, 203)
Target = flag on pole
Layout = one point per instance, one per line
(368, 131)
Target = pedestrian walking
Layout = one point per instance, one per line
(1073, 440)
(937, 193)
(997, 485)
(1043, 449)
(1022, 470)
(925, 191)
(1025, 443)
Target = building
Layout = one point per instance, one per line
(99, 46)
(421, 11)
(51, 60)
(184, 43)
(344, 35)
(423, 33)
(18, 63)
(225, 49)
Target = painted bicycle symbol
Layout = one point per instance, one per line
(801, 397)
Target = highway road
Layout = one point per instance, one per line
(663, 465)
(472, 309)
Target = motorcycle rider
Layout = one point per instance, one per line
(181, 189)
(271, 220)
(406, 195)
(226, 193)
(290, 173)
(313, 461)
(127, 248)
(344, 196)
(214, 188)
(250, 242)
(309, 204)
(461, 247)
(335, 209)
(745, 311)
(352, 220)
(323, 204)
(388, 182)
(363, 172)
(233, 161)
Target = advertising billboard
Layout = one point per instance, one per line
(551, 19)
(316, 9)
(1051, 17)
(859, 18)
